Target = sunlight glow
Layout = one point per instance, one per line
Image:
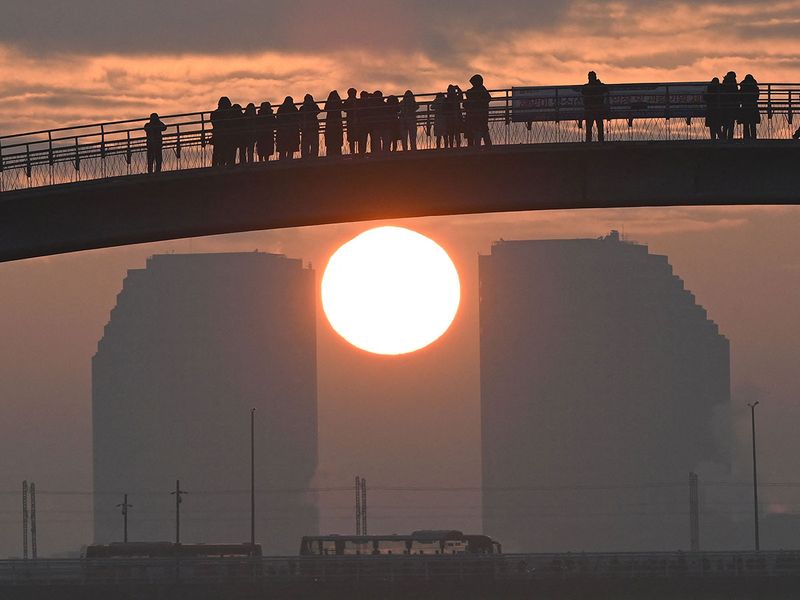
(390, 290)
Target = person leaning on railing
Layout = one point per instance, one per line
(350, 106)
(391, 123)
(334, 128)
(713, 117)
(265, 132)
(408, 121)
(439, 109)
(309, 128)
(287, 129)
(729, 105)
(154, 131)
(248, 144)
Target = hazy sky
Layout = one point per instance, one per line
(405, 421)
(91, 60)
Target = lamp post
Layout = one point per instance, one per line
(125, 506)
(755, 471)
(252, 477)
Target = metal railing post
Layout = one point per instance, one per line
(28, 161)
(508, 118)
(769, 101)
(178, 144)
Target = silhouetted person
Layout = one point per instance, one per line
(408, 121)
(476, 107)
(362, 112)
(595, 100)
(374, 120)
(309, 127)
(287, 129)
(334, 128)
(249, 133)
(729, 105)
(221, 136)
(455, 123)
(439, 110)
(154, 131)
(390, 124)
(350, 106)
(265, 132)
(238, 131)
(749, 116)
(712, 98)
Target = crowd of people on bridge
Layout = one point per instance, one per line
(369, 121)
(729, 103)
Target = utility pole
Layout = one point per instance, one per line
(755, 472)
(358, 505)
(125, 506)
(363, 506)
(25, 519)
(252, 477)
(178, 493)
(33, 521)
(694, 513)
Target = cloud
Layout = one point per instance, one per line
(104, 60)
(206, 26)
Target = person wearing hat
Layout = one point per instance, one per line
(154, 130)
(476, 107)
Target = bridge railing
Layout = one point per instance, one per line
(507, 567)
(521, 115)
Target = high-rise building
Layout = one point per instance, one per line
(194, 342)
(603, 385)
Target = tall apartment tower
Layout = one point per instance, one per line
(603, 385)
(194, 342)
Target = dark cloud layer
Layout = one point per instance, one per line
(97, 26)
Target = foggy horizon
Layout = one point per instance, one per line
(736, 260)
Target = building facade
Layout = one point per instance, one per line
(194, 342)
(603, 385)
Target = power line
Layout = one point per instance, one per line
(386, 488)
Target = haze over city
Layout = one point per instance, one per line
(115, 368)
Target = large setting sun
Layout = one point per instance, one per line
(390, 290)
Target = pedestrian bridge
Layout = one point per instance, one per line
(79, 188)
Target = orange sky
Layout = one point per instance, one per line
(61, 80)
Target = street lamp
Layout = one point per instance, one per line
(252, 478)
(755, 470)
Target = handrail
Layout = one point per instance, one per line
(37, 158)
(322, 102)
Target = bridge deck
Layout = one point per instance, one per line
(147, 208)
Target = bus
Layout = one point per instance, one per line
(170, 550)
(424, 542)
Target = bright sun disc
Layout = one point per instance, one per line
(390, 290)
